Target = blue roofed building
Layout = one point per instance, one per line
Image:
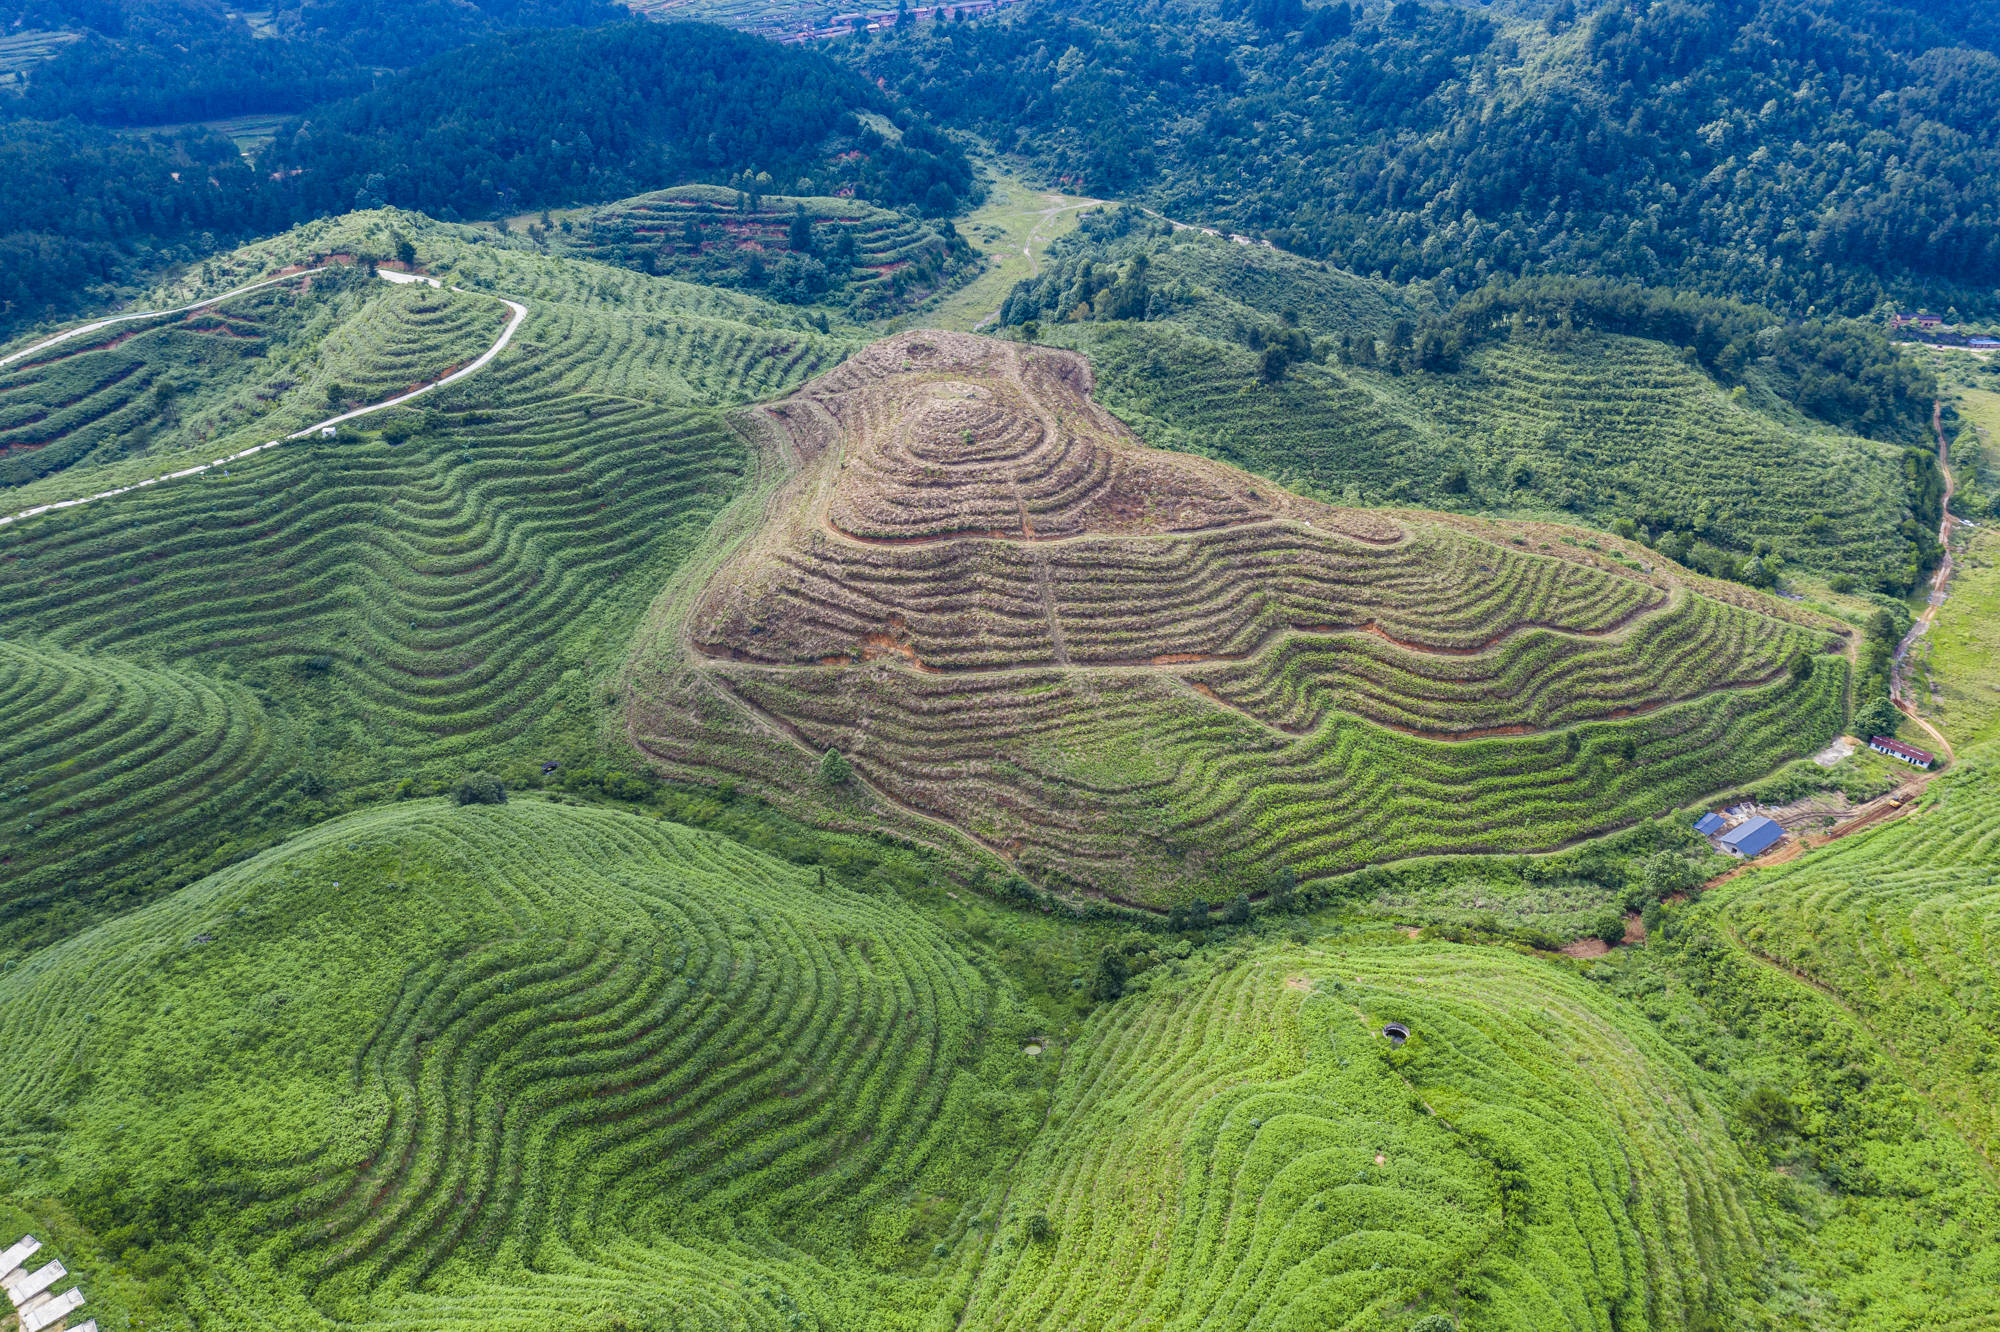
(1711, 823)
(1753, 837)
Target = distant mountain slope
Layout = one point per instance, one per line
(532, 119)
(1803, 153)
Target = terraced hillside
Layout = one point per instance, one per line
(440, 1067)
(438, 592)
(1894, 925)
(518, 1067)
(1137, 673)
(1240, 1148)
(1599, 425)
(266, 363)
(870, 261)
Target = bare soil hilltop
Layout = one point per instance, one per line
(1128, 671)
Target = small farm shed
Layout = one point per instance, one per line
(1753, 838)
(1709, 824)
(1896, 749)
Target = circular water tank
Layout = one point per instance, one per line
(1396, 1032)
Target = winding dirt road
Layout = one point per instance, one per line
(516, 313)
(1940, 583)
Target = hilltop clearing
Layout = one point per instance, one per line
(1141, 675)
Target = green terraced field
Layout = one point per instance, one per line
(865, 260)
(439, 1067)
(396, 611)
(250, 369)
(1896, 925)
(1137, 677)
(1239, 1147)
(1603, 427)
(447, 1067)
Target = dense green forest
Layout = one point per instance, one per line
(528, 120)
(146, 62)
(1804, 154)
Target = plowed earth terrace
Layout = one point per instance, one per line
(1137, 670)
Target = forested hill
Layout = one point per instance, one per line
(158, 62)
(528, 120)
(1799, 153)
(593, 114)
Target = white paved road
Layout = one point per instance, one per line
(516, 313)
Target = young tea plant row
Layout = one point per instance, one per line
(473, 1066)
(1240, 1147)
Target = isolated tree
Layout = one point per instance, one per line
(1112, 973)
(1878, 718)
(1238, 910)
(834, 769)
(1272, 365)
(801, 237)
(406, 253)
(479, 788)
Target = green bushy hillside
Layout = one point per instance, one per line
(493, 1067)
(1809, 154)
(1368, 393)
(436, 590)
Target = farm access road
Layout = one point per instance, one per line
(517, 313)
(1940, 585)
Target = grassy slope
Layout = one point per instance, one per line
(1013, 228)
(1850, 996)
(397, 611)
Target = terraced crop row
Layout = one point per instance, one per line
(1600, 425)
(410, 610)
(252, 369)
(102, 761)
(1153, 697)
(521, 1062)
(686, 231)
(1241, 1148)
(400, 578)
(1134, 784)
(1898, 925)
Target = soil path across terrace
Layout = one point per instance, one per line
(516, 313)
(1940, 585)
